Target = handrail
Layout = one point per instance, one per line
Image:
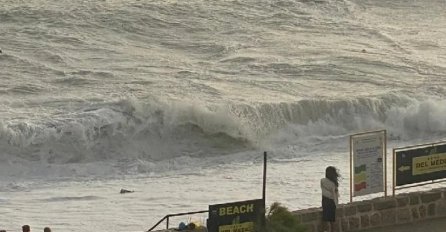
(174, 215)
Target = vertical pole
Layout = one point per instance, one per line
(264, 177)
(167, 223)
(351, 167)
(385, 163)
(394, 170)
(263, 219)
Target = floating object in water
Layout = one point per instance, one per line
(126, 191)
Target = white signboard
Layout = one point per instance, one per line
(368, 159)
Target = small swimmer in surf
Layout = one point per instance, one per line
(126, 191)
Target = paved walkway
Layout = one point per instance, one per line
(433, 225)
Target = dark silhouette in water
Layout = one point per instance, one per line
(126, 191)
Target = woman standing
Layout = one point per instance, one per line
(330, 195)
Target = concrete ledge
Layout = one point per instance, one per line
(381, 212)
(404, 209)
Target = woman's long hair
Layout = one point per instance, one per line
(332, 174)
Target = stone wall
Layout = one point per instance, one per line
(379, 212)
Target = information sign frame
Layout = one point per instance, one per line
(370, 150)
(419, 165)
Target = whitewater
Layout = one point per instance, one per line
(178, 100)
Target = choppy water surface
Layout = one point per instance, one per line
(92, 91)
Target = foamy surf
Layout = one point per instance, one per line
(182, 97)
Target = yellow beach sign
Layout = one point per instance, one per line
(241, 227)
(429, 164)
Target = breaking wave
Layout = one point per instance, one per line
(155, 130)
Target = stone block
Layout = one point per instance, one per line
(311, 216)
(353, 223)
(339, 212)
(431, 210)
(350, 210)
(375, 220)
(363, 208)
(344, 224)
(415, 213)
(385, 204)
(337, 226)
(423, 211)
(441, 208)
(322, 228)
(388, 217)
(414, 200)
(404, 215)
(430, 197)
(402, 201)
(365, 221)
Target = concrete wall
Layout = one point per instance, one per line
(379, 212)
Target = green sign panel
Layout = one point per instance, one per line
(420, 164)
(242, 216)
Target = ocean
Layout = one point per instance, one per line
(178, 100)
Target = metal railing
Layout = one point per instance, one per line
(174, 215)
